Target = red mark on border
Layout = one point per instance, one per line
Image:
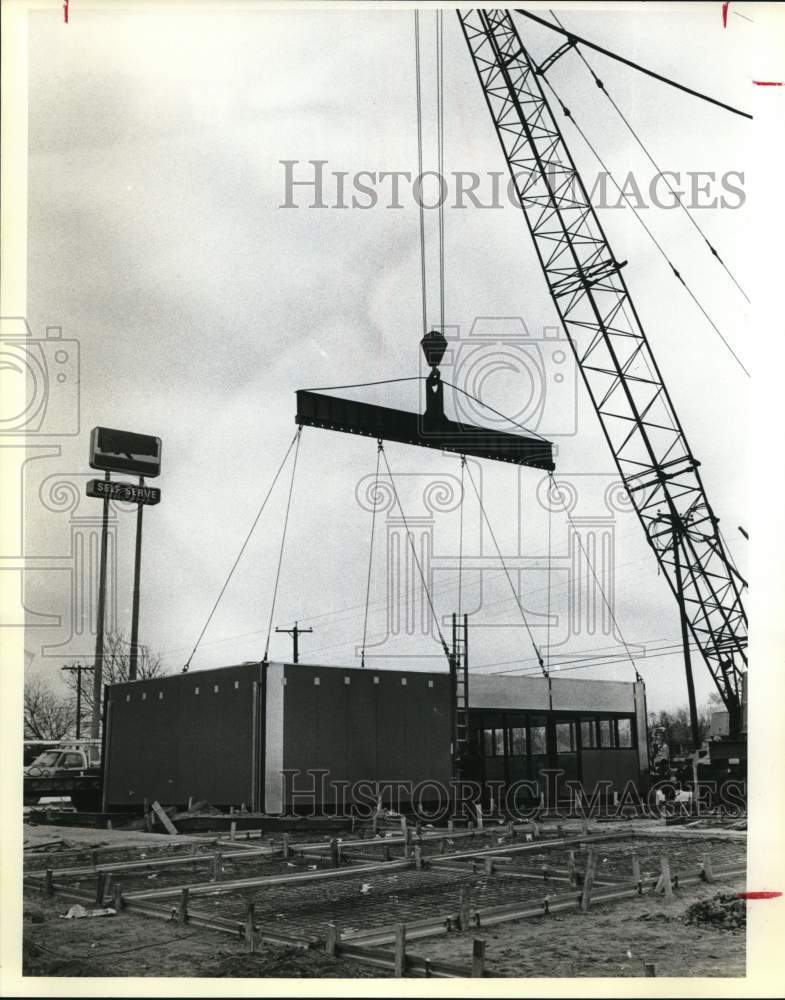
(767, 83)
(65, 11)
(757, 895)
(725, 13)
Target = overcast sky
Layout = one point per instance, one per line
(157, 239)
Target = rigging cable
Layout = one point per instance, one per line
(370, 554)
(414, 553)
(568, 114)
(419, 164)
(651, 159)
(507, 574)
(294, 440)
(283, 540)
(577, 535)
(476, 399)
(550, 565)
(460, 540)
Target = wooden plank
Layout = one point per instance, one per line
(588, 880)
(168, 825)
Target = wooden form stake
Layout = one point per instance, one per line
(588, 881)
(667, 885)
(636, 867)
(333, 939)
(418, 858)
(117, 897)
(249, 927)
(478, 957)
(182, 909)
(463, 912)
(708, 871)
(649, 969)
(217, 866)
(48, 882)
(400, 951)
(571, 867)
(285, 845)
(232, 830)
(100, 883)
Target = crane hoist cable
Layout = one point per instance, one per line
(298, 435)
(601, 86)
(440, 150)
(294, 441)
(418, 83)
(568, 114)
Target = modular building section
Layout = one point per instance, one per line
(588, 731)
(252, 733)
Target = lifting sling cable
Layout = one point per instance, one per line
(651, 159)
(283, 540)
(576, 534)
(374, 496)
(414, 553)
(460, 540)
(507, 573)
(568, 114)
(476, 399)
(549, 568)
(294, 440)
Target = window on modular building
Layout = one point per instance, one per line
(498, 742)
(588, 733)
(565, 737)
(625, 733)
(518, 742)
(487, 742)
(606, 733)
(537, 734)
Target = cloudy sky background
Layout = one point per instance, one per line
(156, 238)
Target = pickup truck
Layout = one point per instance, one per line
(64, 771)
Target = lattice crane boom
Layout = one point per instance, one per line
(615, 359)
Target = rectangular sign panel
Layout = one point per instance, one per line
(124, 451)
(129, 492)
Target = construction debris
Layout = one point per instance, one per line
(725, 910)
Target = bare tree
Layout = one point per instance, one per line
(47, 715)
(116, 665)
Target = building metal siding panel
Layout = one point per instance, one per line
(168, 743)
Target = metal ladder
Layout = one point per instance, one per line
(460, 679)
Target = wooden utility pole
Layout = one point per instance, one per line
(78, 669)
(295, 633)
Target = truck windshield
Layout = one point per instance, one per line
(48, 759)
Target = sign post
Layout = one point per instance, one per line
(95, 719)
(135, 606)
(139, 454)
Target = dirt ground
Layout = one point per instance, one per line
(614, 939)
(132, 945)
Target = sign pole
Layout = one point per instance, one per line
(95, 720)
(135, 608)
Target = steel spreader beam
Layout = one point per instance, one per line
(426, 430)
(614, 357)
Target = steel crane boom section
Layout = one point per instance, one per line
(615, 359)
